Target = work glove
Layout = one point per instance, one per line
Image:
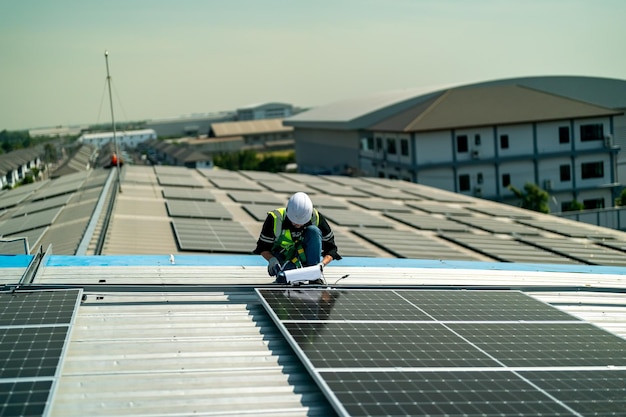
(273, 267)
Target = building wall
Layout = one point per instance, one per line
(326, 151)
(484, 161)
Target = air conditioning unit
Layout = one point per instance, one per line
(547, 185)
(608, 141)
(478, 191)
(475, 154)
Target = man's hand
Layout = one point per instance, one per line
(273, 267)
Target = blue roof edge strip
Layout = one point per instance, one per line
(15, 261)
(255, 260)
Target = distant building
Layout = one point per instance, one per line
(260, 135)
(265, 111)
(15, 165)
(195, 125)
(478, 139)
(125, 139)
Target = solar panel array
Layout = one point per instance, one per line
(34, 330)
(412, 245)
(454, 353)
(213, 236)
(507, 249)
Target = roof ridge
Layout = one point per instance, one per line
(430, 108)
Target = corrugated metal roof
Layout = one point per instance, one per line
(158, 339)
(256, 127)
(184, 334)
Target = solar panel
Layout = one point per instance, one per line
(507, 249)
(37, 308)
(350, 218)
(288, 187)
(180, 181)
(380, 205)
(338, 190)
(571, 229)
(188, 193)
(199, 209)
(258, 211)
(235, 184)
(34, 330)
(412, 245)
(43, 205)
(457, 353)
(31, 221)
(496, 225)
(503, 210)
(584, 250)
(439, 208)
(219, 173)
(212, 236)
(427, 222)
(256, 198)
(58, 187)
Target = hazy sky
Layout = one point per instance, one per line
(172, 58)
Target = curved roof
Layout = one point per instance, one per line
(364, 112)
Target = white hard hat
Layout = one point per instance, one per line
(299, 208)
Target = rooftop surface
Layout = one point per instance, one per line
(168, 322)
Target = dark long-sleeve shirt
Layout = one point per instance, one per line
(267, 236)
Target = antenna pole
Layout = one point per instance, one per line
(117, 153)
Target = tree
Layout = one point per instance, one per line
(575, 205)
(621, 200)
(533, 197)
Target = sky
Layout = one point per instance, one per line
(177, 58)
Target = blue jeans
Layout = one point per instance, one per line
(312, 244)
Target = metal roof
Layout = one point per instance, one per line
(186, 335)
(404, 106)
(170, 330)
(487, 106)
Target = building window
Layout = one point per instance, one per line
(370, 144)
(404, 147)
(461, 144)
(477, 139)
(506, 180)
(592, 170)
(564, 134)
(591, 132)
(504, 141)
(464, 182)
(566, 172)
(594, 203)
(379, 144)
(479, 178)
(391, 146)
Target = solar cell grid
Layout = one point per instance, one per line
(374, 344)
(37, 308)
(543, 345)
(454, 353)
(28, 352)
(468, 394)
(24, 398)
(300, 304)
(483, 306)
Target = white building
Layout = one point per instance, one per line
(125, 139)
(475, 140)
(264, 111)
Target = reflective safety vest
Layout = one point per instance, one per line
(283, 241)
